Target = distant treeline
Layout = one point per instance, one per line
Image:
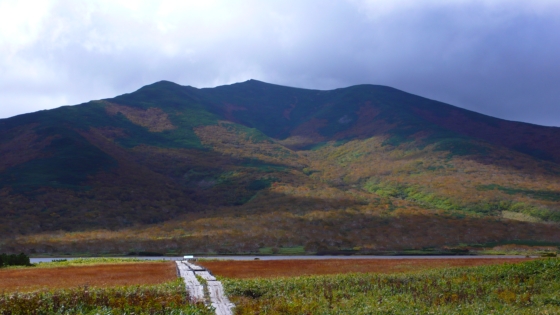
(14, 260)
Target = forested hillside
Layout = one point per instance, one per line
(250, 167)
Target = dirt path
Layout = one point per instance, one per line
(218, 299)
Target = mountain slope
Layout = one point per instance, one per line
(173, 155)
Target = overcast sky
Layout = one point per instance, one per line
(501, 58)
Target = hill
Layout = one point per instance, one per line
(252, 166)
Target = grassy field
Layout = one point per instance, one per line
(96, 286)
(531, 287)
(165, 298)
(293, 268)
(361, 286)
(103, 275)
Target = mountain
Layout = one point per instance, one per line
(251, 166)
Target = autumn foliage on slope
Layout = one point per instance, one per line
(251, 166)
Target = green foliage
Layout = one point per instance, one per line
(260, 165)
(69, 160)
(14, 260)
(517, 242)
(536, 194)
(461, 147)
(90, 168)
(315, 146)
(168, 298)
(295, 250)
(259, 184)
(181, 103)
(385, 189)
(230, 188)
(397, 139)
(525, 288)
(269, 108)
(538, 153)
(250, 134)
(91, 261)
(266, 251)
(535, 211)
(431, 200)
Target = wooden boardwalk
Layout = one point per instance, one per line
(218, 299)
(195, 289)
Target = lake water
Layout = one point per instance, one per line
(37, 260)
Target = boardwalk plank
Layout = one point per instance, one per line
(195, 289)
(188, 271)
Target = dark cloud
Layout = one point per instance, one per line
(495, 57)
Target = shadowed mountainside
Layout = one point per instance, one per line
(141, 162)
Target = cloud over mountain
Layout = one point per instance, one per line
(496, 57)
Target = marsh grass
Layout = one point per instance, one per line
(57, 263)
(78, 275)
(167, 298)
(94, 261)
(528, 288)
(306, 267)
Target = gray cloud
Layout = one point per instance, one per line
(495, 57)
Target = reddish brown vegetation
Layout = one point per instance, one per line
(292, 268)
(155, 119)
(229, 109)
(32, 279)
(25, 146)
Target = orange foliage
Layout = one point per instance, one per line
(155, 119)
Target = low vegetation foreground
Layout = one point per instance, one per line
(125, 286)
(96, 286)
(531, 287)
(294, 268)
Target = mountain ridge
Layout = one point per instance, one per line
(166, 153)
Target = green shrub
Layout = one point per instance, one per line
(14, 260)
